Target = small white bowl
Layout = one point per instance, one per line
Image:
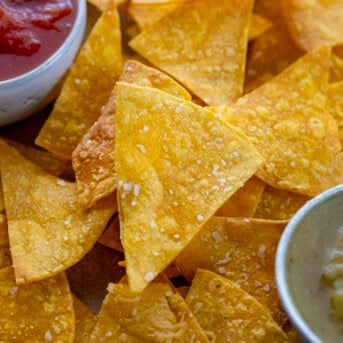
(24, 95)
(302, 253)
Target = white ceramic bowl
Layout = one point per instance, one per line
(26, 94)
(302, 253)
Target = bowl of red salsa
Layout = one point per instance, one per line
(38, 42)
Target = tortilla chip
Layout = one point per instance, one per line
(279, 204)
(39, 312)
(335, 94)
(103, 4)
(270, 9)
(209, 61)
(176, 165)
(258, 26)
(2, 200)
(268, 56)
(93, 159)
(84, 321)
(229, 314)
(288, 120)
(111, 237)
(314, 23)
(336, 71)
(48, 161)
(86, 88)
(242, 250)
(245, 201)
(48, 231)
(156, 314)
(147, 13)
(132, 31)
(5, 254)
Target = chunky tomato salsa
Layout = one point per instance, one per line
(31, 31)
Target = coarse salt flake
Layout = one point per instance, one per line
(141, 147)
(200, 218)
(149, 276)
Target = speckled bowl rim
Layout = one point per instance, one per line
(47, 64)
(281, 263)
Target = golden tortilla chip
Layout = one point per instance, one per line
(336, 71)
(158, 314)
(242, 250)
(48, 161)
(229, 314)
(111, 237)
(2, 200)
(147, 13)
(279, 204)
(335, 94)
(132, 31)
(103, 4)
(38, 312)
(288, 120)
(176, 165)
(245, 201)
(270, 9)
(258, 26)
(270, 53)
(5, 254)
(86, 88)
(84, 321)
(209, 61)
(314, 23)
(93, 159)
(48, 231)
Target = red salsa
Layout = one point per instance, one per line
(31, 31)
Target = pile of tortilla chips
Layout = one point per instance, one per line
(183, 151)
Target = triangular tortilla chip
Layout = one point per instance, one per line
(271, 52)
(335, 94)
(86, 88)
(229, 314)
(279, 204)
(48, 232)
(147, 13)
(156, 314)
(289, 122)
(258, 26)
(103, 4)
(245, 201)
(38, 312)
(46, 160)
(2, 200)
(242, 250)
(203, 45)
(314, 23)
(5, 255)
(270, 9)
(93, 159)
(84, 321)
(336, 71)
(176, 165)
